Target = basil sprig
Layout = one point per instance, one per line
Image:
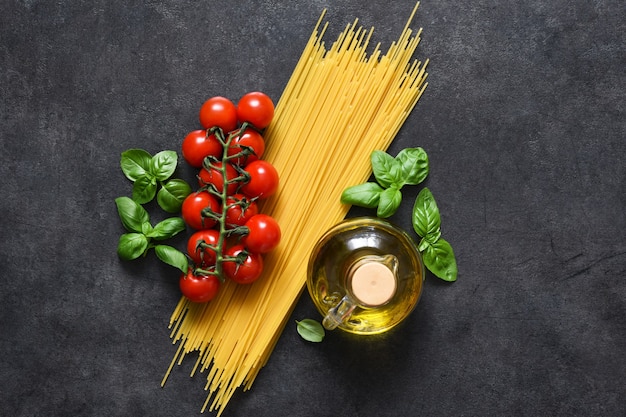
(437, 253)
(409, 167)
(142, 236)
(151, 173)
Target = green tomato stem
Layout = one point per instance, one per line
(220, 258)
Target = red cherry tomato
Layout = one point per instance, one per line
(219, 112)
(214, 176)
(197, 145)
(263, 234)
(193, 207)
(199, 288)
(251, 143)
(263, 180)
(256, 108)
(197, 249)
(239, 210)
(246, 272)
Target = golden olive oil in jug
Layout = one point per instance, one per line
(365, 275)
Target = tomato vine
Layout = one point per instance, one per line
(231, 155)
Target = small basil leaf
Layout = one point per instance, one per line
(386, 169)
(167, 228)
(423, 245)
(414, 165)
(132, 214)
(132, 246)
(310, 330)
(146, 228)
(135, 163)
(164, 164)
(390, 200)
(172, 257)
(144, 189)
(363, 195)
(433, 237)
(171, 196)
(439, 259)
(425, 216)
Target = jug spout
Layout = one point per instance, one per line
(339, 313)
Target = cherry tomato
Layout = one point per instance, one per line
(263, 234)
(200, 254)
(246, 272)
(193, 207)
(239, 210)
(197, 145)
(199, 288)
(213, 175)
(256, 108)
(263, 180)
(250, 139)
(219, 111)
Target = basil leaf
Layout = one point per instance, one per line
(439, 259)
(172, 257)
(423, 245)
(135, 163)
(132, 214)
(433, 237)
(144, 189)
(363, 195)
(386, 169)
(167, 228)
(390, 200)
(310, 330)
(164, 164)
(146, 228)
(425, 217)
(171, 196)
(132, 246)
(414, 165)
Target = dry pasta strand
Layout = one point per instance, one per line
(338, 106)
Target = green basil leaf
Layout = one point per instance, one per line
(144, 189)
(390, 200)
(172, 257)
(414, 165)
(135, 163)
(439, 259)
(164, 164)
(167, 228)
(132, 214)
(386, 169)
(363, 195)
(171, 196)
(132, 246)
(425, 217)
(146, 228)
(310, 330)
(433, 237)
(423, 245)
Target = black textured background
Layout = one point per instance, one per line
(524, 123)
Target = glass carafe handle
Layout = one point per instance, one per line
(339, 313)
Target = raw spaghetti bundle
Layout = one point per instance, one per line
(339, 105)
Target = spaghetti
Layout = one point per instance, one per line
(339, 105)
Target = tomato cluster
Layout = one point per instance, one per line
(230, 234)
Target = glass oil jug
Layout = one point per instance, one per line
(365, 275)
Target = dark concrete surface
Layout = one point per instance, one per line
(525, 125)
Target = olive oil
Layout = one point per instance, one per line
(365, 276)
